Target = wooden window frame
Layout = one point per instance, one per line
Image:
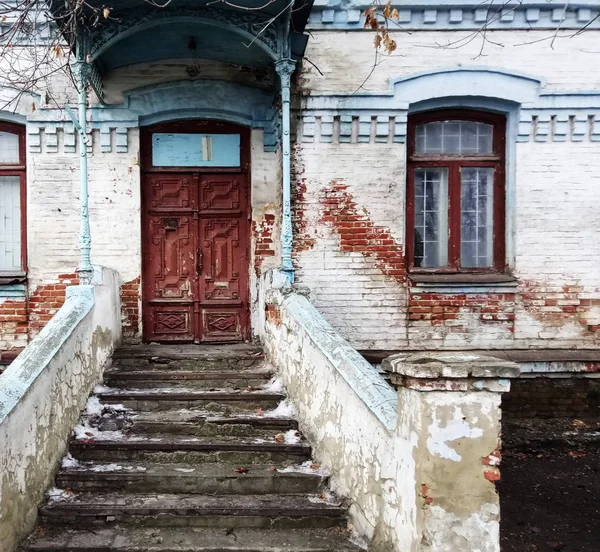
(20, 170)
(454, 162)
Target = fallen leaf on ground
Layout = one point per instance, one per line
(279, 438)
(241, 470)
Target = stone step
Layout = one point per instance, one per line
(148, 379)
(192, 510)
(194, 422)
(223, 401)
(119, 538)
(177, 449)
(208, 478)
(188, 357)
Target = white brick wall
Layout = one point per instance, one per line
(53, 211)
(346, 58)
(555, 208)
(556, 241)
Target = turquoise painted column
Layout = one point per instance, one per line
(82, 70)
(285, 67)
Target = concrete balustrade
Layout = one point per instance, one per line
(42, 393)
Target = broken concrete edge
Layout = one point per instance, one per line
(448, 371)
(23, 372)
(43, 394)
(360, 376)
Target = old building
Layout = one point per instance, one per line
(439, 194)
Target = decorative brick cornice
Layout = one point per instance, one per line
(381, 117)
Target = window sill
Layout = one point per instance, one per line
(463, 283)
(12, 285)
(12, 278)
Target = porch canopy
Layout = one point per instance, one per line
(255, 33)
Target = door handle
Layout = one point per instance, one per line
(200, 257)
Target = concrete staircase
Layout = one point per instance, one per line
(189, 449)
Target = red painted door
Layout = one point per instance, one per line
(195, 257)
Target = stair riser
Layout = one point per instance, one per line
(211, 430)
(221, 406)
(104, 482)
(201, 365)
(192, 519)
(241, 458)
(211, 383)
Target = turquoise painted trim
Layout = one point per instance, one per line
(387, 110)
(193, 19)
(82, 71)
(462, 15)
(12, 291)
(285, 68)
(13, 117)
(454, 290)
(218, 100)
(23, 372)
(350, 365)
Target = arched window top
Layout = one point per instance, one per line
(454, 137)
(12, 144)
(459, 132)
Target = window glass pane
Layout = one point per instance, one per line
(10, 223)
(454, 137)
(9, 148)
(195, 150)
(477, 217)
(431, 218)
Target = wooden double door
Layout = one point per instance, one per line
(195, 256)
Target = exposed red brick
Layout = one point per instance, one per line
(263, 240)
(273, 314)
(492, 475)
(450, 310)
(555, 306)
(358, 233)
(45, 301)
(130, 307)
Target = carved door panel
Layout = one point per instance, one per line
(170, 279)
(195, 280)
(224, 243)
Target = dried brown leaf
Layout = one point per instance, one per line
(241, 470)
(279, 438)
(259, 412)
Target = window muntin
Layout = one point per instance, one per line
(10, 223)
(454, 138)
(455, 207)
(9, 148)
(476, 217)
(431, 217)
(12, 199)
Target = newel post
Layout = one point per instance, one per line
(449, 450)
